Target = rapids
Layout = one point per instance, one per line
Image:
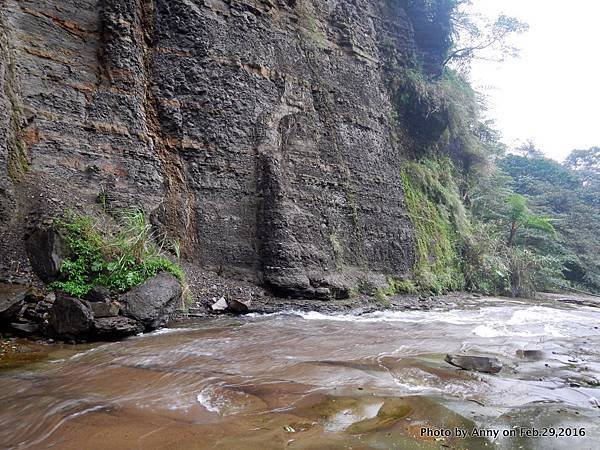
(309, 380)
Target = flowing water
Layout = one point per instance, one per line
(307, 380)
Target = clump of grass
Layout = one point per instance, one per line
(119, 260)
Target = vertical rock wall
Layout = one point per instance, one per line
(260, 134)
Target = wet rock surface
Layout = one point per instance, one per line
(238, 306)
(477, 363)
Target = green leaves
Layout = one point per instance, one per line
(540, 223)
(118, 261)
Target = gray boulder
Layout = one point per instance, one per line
(238, 306)
(46, 249)
(534, 355)
(105, 309)
(476, 363)
(110, 328)
(154, 301)
(99, 294)
(70, 317)
(12, 299)
(220, 305)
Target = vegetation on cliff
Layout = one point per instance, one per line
(118, 260)
(438, 217)
(487, 219)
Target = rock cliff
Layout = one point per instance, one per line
(263, 135)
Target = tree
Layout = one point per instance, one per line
(586, 165)
(586, 160)
(520, 217)
(570, 193)
(528, 149)
(477, 38)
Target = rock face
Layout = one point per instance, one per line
(154, 301)
(264, 136)
(476, 363)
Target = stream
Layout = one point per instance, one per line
(305, 380)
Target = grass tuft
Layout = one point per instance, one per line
(119, 260)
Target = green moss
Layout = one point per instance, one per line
(118, 261)
(18, 160)
(380, 295)
(18, 163)
(436, 213)
(406, 287)
(338, 250)
(353, 292)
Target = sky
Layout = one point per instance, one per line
(551, 93)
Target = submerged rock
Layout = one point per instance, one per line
(153, 302)
(71, 318)
(477, 363)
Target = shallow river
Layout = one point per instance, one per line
(306, 380)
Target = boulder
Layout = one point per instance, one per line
(12, 299)
(39, 311)
(154, 301)
(238, 306)
(476, 363)
(220, 305)
(70, 317)
(534, 355)
(46, 249)
(110, 328)
(99, 294)
(105, 309)
(26, 329)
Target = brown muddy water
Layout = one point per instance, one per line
(307, 380)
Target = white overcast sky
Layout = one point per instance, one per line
(551, 94)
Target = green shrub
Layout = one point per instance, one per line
(484, 261)
(118, 261)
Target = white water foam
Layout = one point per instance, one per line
(490, 322)
(456, 317)
(536, 321)
(162, 331)
(211, 400)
